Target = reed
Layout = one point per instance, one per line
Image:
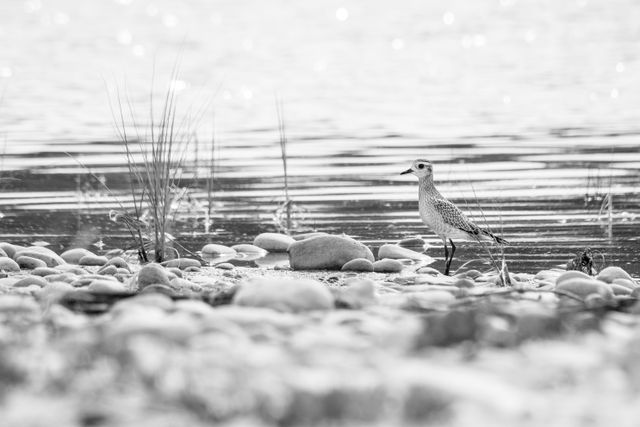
(287, 207)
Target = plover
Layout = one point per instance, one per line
(443, 217)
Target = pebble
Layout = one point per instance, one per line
(225, 266)
(427, 270)
(398, 252)
(47, 255)
(273, 242)
(192, 269)
(31, 280)
(473, 274)
(619, 289)
(93, 260)
(183, 284)
(182, 263)
(358, 264)
(109, 270)
(572, 274)
(10, 249)
(287, 295)
(626, 283)
(213, 250)
(159, 289)
(106, 287)
(464, 283)
(45, 271)
(152, 274)
(387, 266)
(609, 274)
(583, 287)
(356, 294)
(248, 249)
(326, 252)
(73, 256)
(119, 263)
(412, 242)
(9, 265)
(30, 263)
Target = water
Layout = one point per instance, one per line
(528, 109)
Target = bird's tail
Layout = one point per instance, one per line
(491, 236)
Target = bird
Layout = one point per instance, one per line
(442, 216)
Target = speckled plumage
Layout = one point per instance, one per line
(442, 216)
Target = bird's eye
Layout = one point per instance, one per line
(421, 166)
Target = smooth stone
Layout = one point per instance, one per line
(326, 252)
(583, 287)
(174, 272)
(609, 274)
(181, 284)
(159, 289)
(358, 264)
(152, 274)
(247, 249)
(193, 270)
(47, 255)
(550, 275)
(398, 252)
(182, 263)
(9, 265)
(93, 260)
(464, 283)
(472, 274)
(427, 270)
(287, 295)
(225, 266)
(412, 242)
(356, 294)
(73, 256)
(70, 268)
(31, 280)
(620, 290)
(30, 263)
(304, 236)
(106, 287)
(214, 250)
(3, 254)
(273, 242)
(626, 283)
(387, 266)
(571, 274)
(114, 253)
(108, 270)
(45, 271)
(10, 249)
(118, 262)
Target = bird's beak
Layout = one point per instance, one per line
(407, 171)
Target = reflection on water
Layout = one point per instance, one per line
(529, 109)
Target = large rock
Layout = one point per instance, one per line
(152, 274)
(273, 242)
(609, 274)
(326, 253)
(288, 295)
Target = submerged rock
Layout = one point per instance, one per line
(326, 252)
(73, 256)
(358, 264)
(288, 295)
(273, 242)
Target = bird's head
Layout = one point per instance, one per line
(420, 168)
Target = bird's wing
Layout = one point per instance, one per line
(454, 216)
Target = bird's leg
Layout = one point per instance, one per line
(446, 257)
(453, 249)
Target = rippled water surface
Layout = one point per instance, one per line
(530, 111)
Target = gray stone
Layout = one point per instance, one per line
(152, 274)
(464, 283)
(288, 295)
(358, 264)
(273, 242)
(225, 266)
(47, 255)
(412, 242)
(31, 280)
(398, 252)
(387, 266)
(609, 274)
(73, 256)
(45, 271)
(118, 262)
(93, 260)
(572, 274)
(583, 287)
(10, 249)
(30, 263)
(326, 252)
(109, 270)
(248, 249)
(304, 236)
(9, 265)
(214, 250)
(106, 287)
(626, 283)
(182, 263)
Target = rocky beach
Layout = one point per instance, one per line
(339, 339)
